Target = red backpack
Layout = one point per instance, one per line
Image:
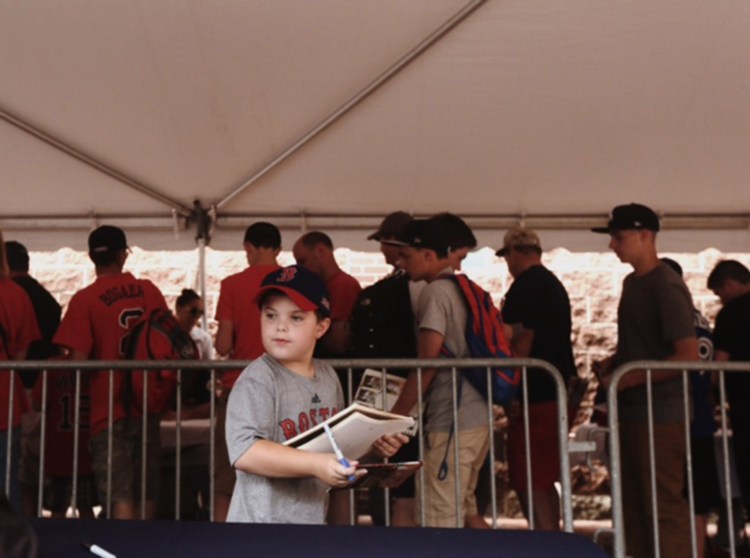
(157, 336)
(485, 339)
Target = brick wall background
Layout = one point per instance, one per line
(593, 281)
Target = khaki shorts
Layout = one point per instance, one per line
(126, 461)
(224, 475)
(440, 495)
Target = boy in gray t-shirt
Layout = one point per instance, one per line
(442, 314)
(655, 322)
(284, 393)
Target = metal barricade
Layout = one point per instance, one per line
(454, 366)
(662, 367)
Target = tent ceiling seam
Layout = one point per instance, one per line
(331, 221)
(92, 162)
(360, 96)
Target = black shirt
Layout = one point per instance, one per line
(732, 335)
(46, 308)
(382, 321)
(539, 301)
(47, 311)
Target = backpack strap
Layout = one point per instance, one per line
(447, 353)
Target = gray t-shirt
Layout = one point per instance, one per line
(655, 311)
(270, 402)
(441, 308)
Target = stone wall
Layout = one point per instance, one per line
(593, 281)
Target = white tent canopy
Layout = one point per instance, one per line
(543, 112)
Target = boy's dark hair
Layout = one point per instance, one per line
(459, 233)
(263, 235)
(104, 259)
(186, 297)
(427, 234)
(725, 270)
(320, 316)
(673, 264)
(313, 238)
(17, 256)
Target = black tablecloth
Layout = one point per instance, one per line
(159, 539)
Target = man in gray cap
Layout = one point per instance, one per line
(538, 308)
(654, 322)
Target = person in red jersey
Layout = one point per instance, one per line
(95, 327)
(314, 251)
(238, 338)
(59, 444)
(18, 330)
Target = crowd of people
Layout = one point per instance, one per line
(288, 320)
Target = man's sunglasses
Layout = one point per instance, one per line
(196, 312)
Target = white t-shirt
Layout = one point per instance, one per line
(204, 342)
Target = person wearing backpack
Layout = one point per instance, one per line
(442, 319)
(158, 336)
(538, 308)
(96, 326)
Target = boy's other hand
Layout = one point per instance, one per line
(387, 446)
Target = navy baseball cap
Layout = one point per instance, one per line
(17, 256)
(306, 289)
(459, 233)
(107, 239)
(425, 234)
(630, 216)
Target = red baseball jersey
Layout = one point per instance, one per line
(97, 323)
(236, 305)
(60, 421)
(344, 291)
(18, 329)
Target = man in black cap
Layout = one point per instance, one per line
(442, 317)
(96, 326)
(654, 322)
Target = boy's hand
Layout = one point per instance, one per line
(333, 473)
(387, 446)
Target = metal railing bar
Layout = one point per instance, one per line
(689, 462)
(42, 448)
(456, 446)
(178, 449)
(491, 428)
(110, 441)
(527, 448)
(76, 442)
(652, 462)
(615, 453)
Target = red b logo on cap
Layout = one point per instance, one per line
(287, 274)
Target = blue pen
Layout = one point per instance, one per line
(337, 450)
